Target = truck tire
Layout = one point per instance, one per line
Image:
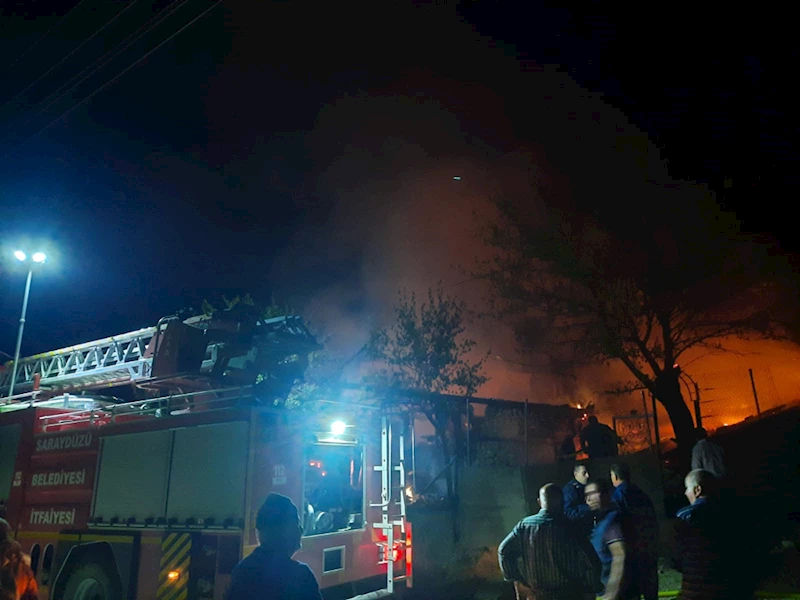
(89, 582)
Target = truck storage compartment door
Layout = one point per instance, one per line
(9, 441)
(134, 472)
(207, 480)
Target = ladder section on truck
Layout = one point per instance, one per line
(393, 505)
(119, 358)
(172, 349)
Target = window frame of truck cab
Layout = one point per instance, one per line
(361, 450)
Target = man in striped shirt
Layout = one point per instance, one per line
(546, 558)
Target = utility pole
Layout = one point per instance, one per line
(755, 391)
(647, 419)
(19, 333)
(37, 258)
(698, 415)
(655, 426)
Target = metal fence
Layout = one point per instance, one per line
(729, 397)
(505, 433)
(502, 433)
(716, 399)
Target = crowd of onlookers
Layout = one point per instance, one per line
(600, 537)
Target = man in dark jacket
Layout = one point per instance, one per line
(598, 440)
(639, 509)
(711, 553)
(575, 507)
(269, 573)
(707, 455)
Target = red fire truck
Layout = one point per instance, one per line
(153, 496)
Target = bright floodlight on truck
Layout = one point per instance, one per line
(20, 255)
(39, 257)
(338, 427)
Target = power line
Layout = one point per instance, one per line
(48, 32)
(149, 26)
(126, 69)
(59, 63)
(111, 54)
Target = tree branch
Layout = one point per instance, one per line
(647, 355)
(666, 333)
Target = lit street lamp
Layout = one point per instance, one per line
(36, 258)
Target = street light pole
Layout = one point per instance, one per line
(19, 333)
(36, 258)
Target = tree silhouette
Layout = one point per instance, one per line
(638, 283)
(427, 354)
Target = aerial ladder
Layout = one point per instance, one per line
(181, 355)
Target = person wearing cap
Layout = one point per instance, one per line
(270, 572)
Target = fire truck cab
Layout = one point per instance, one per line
(155, 498)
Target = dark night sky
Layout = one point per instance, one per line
(258, 149)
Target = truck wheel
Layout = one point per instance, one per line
(89, 582)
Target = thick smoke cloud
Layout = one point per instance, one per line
(399, 219)
(411, 191)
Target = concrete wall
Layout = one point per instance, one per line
(434, 544)
(491, 502)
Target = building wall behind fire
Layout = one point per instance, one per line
(499, 437)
